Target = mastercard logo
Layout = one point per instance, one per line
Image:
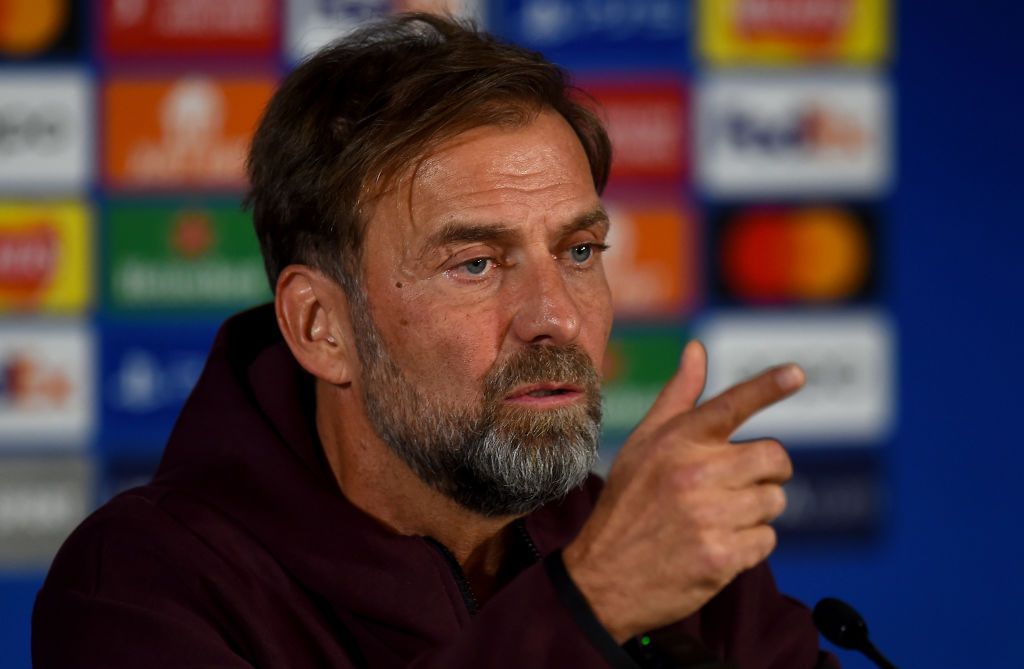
(807, 254)
(30, 26)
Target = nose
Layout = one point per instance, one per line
(545, 311)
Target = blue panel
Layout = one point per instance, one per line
(593, 34)
(147, 373)
(17, 595)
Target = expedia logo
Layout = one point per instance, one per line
(46, 384)
(28, 258)
(41, 130)
(25, 381)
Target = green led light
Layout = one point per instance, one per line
(645, 640)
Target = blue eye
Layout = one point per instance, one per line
(581, 253)
(478, 266)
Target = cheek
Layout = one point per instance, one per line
(446, 349)
(594, 303)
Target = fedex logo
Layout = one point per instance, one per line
(793, 135)
(813, 129)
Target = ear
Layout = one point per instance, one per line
(312, 312)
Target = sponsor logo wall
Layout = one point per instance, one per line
(184, 132)
(754, 155)
(794, 162)
(46, 131)
(793, 134)
(173, 28)
(46, 257)
(793, 32)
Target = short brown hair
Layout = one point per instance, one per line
(345, 123)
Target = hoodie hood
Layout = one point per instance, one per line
(246, 444)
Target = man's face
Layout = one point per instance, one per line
(488, 315)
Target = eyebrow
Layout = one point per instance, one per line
(457, 232)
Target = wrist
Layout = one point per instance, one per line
(599, 592)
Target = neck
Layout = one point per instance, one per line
(378, 482)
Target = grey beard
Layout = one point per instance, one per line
(500, 460)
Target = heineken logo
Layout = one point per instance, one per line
(192, 234)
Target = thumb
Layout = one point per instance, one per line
(681, 392)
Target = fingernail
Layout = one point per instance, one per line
(790, 377)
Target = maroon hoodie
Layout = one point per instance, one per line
(243, 552)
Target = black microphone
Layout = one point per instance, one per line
(844, 627)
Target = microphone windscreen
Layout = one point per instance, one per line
(840, 623)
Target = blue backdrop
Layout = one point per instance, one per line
(938, 584)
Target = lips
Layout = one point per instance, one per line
(544, 393)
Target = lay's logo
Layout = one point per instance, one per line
(44, 257)
(793, 31)
(28, 257)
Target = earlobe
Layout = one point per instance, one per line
(312, 313)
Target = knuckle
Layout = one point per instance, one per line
(779, 501)
(772, 455)
(728, 409)
(771, 500)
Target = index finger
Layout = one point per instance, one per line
(723, 414)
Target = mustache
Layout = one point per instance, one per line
(537, 364)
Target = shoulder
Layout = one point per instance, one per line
(133, 542)
(156, 570)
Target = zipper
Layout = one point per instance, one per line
(520, 526)
(468, 596)
(460, 576)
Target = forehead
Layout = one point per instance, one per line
(524, 172)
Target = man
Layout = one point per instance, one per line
(390, 467)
